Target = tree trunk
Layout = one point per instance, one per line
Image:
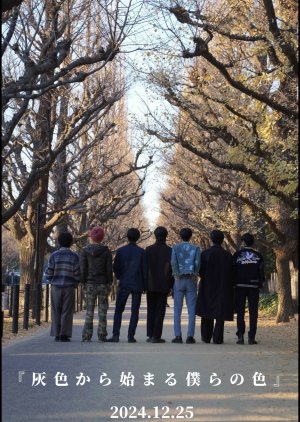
(295, 277)
(27, 253)
(285, 302)
(294, 281)
(263, 250)
(60, 171)
(27, 258)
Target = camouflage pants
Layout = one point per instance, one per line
(94, 291)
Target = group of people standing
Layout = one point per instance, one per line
(226, 282)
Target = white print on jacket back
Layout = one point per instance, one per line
(247, 257)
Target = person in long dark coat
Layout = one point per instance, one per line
(215, 301)
(159, 284)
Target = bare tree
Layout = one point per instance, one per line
(237, 110)
(42, 52)
(57, 94)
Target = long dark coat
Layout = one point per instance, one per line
(160, 277)
(215, 295)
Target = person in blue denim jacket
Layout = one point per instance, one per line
(185, 263)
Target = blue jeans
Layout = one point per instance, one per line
(185, 287)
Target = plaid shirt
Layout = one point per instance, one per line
(63, 268)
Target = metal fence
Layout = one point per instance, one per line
(16, 305)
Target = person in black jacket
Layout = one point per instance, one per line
(249, 278)
(97, 277)
(159, 284)
(215, 294)
(131, 272)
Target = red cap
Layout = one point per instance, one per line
(97, 234)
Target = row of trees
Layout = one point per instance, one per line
(65, 139)
(232, 114)
(228, 74)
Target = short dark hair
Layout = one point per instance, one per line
(133, 235)
(185, 234)
(248, 238)
(217, 236)
(161, 233)
(65, 239)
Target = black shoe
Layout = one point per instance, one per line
(190, 340)
(131, 340)
(218, 342)
(57, 338)
(252, 341)
(157, 340)
(64, 339)
(177, 339)
(87, 339)
(102, 339)
(113, 339)
(149, 339)
(240, 340)
(205, 341)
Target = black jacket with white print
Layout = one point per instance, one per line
(248, 268)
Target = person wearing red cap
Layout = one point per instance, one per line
(97, 277)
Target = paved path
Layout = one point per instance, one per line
(93, 402)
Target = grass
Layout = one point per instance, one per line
(268, 303)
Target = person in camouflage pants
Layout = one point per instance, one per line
(94, 292)
(96, 277)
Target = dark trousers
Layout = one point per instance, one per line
(241, 294)
(120, 306)
(62, 309)
(211, 328)
(156, 310)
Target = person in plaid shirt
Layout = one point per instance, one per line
(63, 272)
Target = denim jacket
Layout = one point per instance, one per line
(185, 260)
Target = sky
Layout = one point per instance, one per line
(155, 180)
(139, 98)
(153, 47)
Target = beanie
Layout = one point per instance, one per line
(97, 234)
